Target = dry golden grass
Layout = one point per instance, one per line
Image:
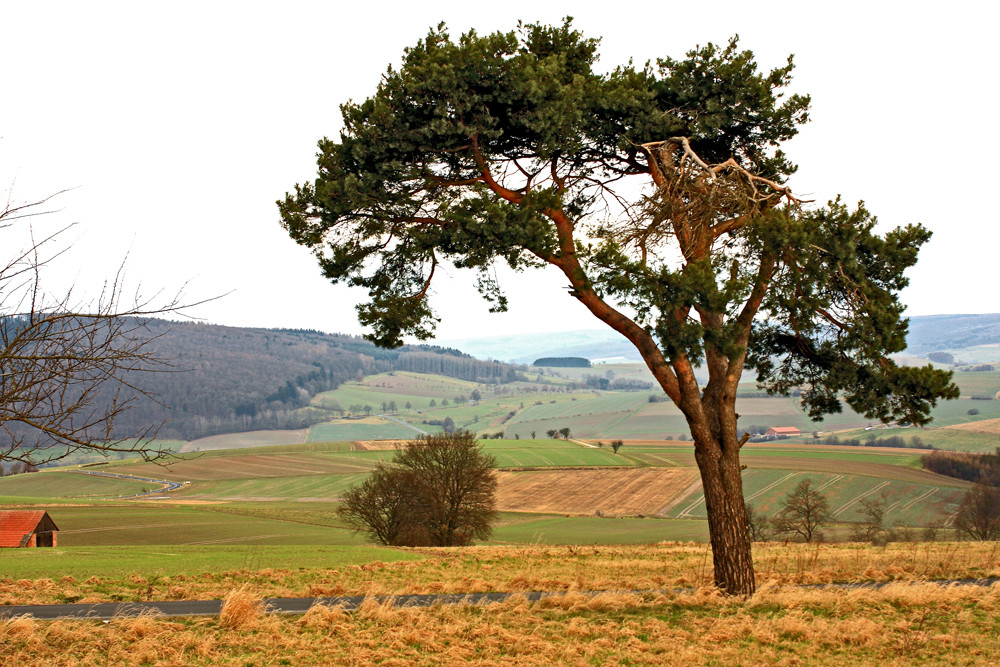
(537, 568)
(241, 609)
(900, 625)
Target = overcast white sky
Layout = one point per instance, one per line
(179, 124)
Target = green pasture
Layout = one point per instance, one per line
(308, 487)
(940, 438)
(240, 464)
(346, 429)
(588, 426)
(903, 458)
(979, 383)
(948, 413)
(583, 403)
(547, 529)
(149, 523)
(400, 387)
(303, 447)
(120, 561)
(556, 457)
(69, 485)
(908, 503)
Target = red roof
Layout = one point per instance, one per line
(16, 526)
(785, 429)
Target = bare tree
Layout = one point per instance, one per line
(382, 507)
(67, 365)
(758, 524)
(979, 514)
(871, 528)
(804, 510)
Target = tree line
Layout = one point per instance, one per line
(976, 468)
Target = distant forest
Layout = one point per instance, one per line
(227, 379)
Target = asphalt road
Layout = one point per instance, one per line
(167, 485)
(109, 610)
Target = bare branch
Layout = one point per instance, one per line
(67, 367)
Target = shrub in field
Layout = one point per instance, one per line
(979, 514)
(803, 511)
(871, 528)
(440, 490)
(616, 445)
(759, 525)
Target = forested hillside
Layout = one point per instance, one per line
(225, 379)
(946, 332)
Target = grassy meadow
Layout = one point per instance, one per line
(897, 625)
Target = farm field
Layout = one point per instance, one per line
(269, 495)
(246, 439)
(68, 486)
(909, 503)
(608, 493)
(524, 409)
(987, 426)
(156, 524)
(957, 439)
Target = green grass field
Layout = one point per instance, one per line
(69, 485)
(82, 562)
(535, 529)
(151, 524)
(371, 429)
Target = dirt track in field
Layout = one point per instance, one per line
(616, 492)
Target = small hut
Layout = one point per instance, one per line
(27, 528)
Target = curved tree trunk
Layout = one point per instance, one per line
(727, 518)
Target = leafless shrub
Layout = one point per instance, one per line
(979, 514)
(804, 510)
(440, 490)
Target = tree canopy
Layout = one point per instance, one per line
(513, 148)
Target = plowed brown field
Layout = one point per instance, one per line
(988, 426)
(616, 492)
(379, 445)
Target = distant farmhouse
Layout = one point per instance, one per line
(27, 528)
(784, 430)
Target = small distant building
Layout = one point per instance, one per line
(27, 528)
(784, 430)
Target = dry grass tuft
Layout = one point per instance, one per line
(322, 617)
(16, 626)
(241, 609)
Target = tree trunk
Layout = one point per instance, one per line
(728, 527)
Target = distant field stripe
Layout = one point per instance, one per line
(690, 508)
(244, 538)
(830, 482)
(663, 459)
(913, 502)
(772, 485)
(858, 498)
(138, 526)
